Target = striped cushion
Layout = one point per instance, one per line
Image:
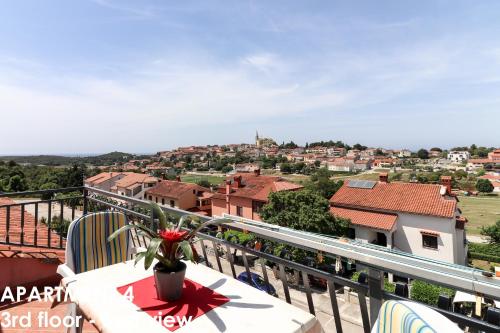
(89, 241)
(396, 317)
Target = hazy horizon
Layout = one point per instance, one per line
(106, 75)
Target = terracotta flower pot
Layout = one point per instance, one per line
(169, 283)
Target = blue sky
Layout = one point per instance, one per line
(142, 76)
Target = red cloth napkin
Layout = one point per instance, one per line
(196, 300)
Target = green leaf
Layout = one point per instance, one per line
(119, 231)
(141, 227)
(158, 212)
(185, 247)
(139, 256)
(152, 251)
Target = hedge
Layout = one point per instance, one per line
(482, 256)
(488, 252)
(428, 293)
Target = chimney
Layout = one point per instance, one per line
(256, 172)
(383, 177)
(446, 182)
(228, 190)
(178, 178)
(237, 181)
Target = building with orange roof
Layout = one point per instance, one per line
(186, 196)
(422, 219)
(129, 184)
(244, 194)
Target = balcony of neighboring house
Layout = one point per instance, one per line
(32, 244)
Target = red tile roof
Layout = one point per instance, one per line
(102, 177)
(29, 227)
(383, 221)
(174, 189)
(422, 199)
(258, 187)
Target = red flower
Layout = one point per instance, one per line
(172, 236)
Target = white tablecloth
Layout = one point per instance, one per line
(249, 310)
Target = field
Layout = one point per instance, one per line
(480, 211)
(216, 180)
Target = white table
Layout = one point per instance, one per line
(248, 310)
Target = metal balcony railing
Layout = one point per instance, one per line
(219, 253)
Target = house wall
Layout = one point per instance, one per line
(246, 204)
(218, 207)
(368, 235)
(186, 201)
(408, 238)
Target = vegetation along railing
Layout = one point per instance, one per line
(272, 246)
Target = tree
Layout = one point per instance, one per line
(321, 183)
(302, 210)
(357, 146)
(204, 183)
(484, 185)
(17, 184)
(423, 154)
(226, 169)
(48, 186)
(286, 168)
(493, 232)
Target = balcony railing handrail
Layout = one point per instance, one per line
(455, 276)
(38, 192)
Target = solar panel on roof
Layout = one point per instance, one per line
(356, 183)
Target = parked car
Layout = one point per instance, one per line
(258, 282)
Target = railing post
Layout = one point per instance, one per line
(85, 201)
(375, 289)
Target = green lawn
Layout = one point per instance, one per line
(479, 211)
(196, 178)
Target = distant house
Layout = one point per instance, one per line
(478, 163)
(494, 179)
(458, 156)
(422, 219)
(129, 184)
(341, 164)
(362, 165)
(246, 167)
(494, 156)
(404, 153)
(244, 194)
(185, 196)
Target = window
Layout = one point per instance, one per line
(430, 241)
(150, 198)
(172, 203)
(257, 206)
(162, 201)
(239, 211)
(156, 199)
(351, 233)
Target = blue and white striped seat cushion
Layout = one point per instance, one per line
(89, 241)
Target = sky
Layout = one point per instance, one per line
(94, 76)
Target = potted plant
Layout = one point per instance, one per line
(168, 244)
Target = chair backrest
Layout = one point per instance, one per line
(395, 316)
(87, 246)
